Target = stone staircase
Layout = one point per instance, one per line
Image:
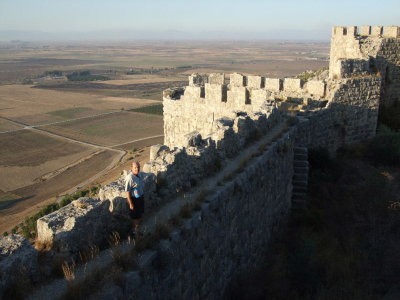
(300, 178)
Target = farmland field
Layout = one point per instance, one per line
(7, 125)
(32, 197)
(25, 156)
(111, 129)
(57, 134)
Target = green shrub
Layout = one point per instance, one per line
(28, 227)
(85, 76)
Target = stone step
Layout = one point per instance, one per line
(299, 189)
(297, 183)
(300, 156)
(300, 177)
(301, 170)
(300, 150)
(300, 163)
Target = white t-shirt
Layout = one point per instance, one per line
(134, 181)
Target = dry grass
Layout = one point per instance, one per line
(43, 246)
(89, 253)
(69, 271)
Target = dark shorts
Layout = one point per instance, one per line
(138, 210)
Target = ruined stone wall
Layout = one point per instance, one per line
(351, 115)
(179, 168)
(365, 50)
(227, 236)
(213, 120)
(208, 98)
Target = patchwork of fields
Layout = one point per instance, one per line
(57, 135)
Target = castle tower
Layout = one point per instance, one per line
(357, 50)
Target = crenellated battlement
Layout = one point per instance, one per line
(358, 51)
(373, 31)
(241, 90)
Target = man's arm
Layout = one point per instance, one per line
(130, 202)
(128, 193)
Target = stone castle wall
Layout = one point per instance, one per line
(210, 121)
(179, 168)
(228, 235)
(365, 49)
(207, 99)
(350, 117)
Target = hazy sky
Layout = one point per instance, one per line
(240, 16)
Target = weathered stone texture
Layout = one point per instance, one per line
(373, 50)
(273, 84)
(216, 78)
(293, 84)
(194, 92)
(215, 93)
(18, 263)
(178, 168)
(316, 88)
(351, 116)
(75, 226)
(237, 80)
(197, 80)
(391, 32)
(255, 82)
(222, 240)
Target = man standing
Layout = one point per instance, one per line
(134, 185)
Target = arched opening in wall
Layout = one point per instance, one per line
(345, 31)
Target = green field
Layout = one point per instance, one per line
(68, 113)
(151, 109)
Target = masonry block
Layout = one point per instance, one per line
(156, 149)
(194, 92)
(255, 82)
(376, 31)
(216, 92)
(352, 30)
(292, 85)
(273, 84)
(258, 95)
(197, 79)
(364, 30)
(391, 31)
(238, 95)
(237, 79)
(339, 30)
(216, 78)
(316, 87)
